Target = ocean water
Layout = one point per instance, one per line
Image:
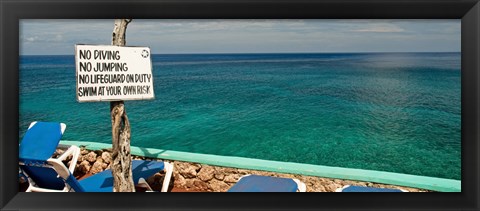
(396, 112)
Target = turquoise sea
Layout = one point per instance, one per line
(396, 112)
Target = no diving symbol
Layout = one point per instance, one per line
(144, 53)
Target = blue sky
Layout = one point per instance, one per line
(54, 37)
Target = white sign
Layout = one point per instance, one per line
(113, 73)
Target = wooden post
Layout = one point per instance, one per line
(122, 162)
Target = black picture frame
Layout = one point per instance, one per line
(13, 10)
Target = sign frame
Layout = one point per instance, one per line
(114, 98)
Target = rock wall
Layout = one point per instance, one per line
(194, 176)
(206, 178)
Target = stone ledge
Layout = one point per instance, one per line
(207, 178)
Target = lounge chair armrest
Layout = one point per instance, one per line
(143, 183)
(301, 186)
(72, 150)
(38, 189)
(168, 175)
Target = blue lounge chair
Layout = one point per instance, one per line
(103, 181)
(38, 145)
(353, 188)
(46, 174)
(257, 183)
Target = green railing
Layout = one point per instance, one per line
(423, 182)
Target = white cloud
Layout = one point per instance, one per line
(31, 39)
(380, 28)
(58, 37)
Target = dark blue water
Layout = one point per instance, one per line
(397, 112)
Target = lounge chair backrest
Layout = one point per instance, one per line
(40, 142)
(354, 188)
(258, 183)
